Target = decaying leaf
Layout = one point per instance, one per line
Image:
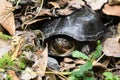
(41, 62)
(77, 4)
(16, 45)
(111, 10)
(111, 47)
(7, 17)
(44, 12)
(64, 11)
(96, 4)
(28, 74)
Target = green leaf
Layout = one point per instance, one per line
(108, 78)
(5, 37)
(88, 66)
(88, 78)
(72, 78)
(78, 73)
(107, 74)
(97, 53)
(116, 77)
(83, 68)
(78, 54)
(6, 61)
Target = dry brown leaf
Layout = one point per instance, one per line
(64, 11)
(79, 61)
(62, 3)
(7, 17)
(41, 62)
(77, 4)
(111, 47)
(16, 45)
(96, 4)
(44, 12)
(54, 4)
(13, 75)
(111, 10)
(67, 67)
(68, 60)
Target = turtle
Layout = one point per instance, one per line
(63, 34)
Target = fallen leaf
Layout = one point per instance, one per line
(54, 4)
(7, 17)
(44, 12)
(62, 3)
(67, 67)
(64, 11)
(111, 46)
(28, 74)
(96, 4)
(16, 46)
(77, 4)
(41, 62)
(68, 60)
(111, 10)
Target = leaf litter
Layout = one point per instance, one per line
(29, 56)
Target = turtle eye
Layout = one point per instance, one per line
(61, 46)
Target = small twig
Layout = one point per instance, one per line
(39, 9)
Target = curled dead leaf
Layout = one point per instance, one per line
(64, 11)
(7, 17)
(77, 4)
(54, 4)
(111, 47)
(111, 10)
(41, 62)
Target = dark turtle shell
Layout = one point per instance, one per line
(82, 25)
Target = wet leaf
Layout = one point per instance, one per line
(7, 17)
(111, 10)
